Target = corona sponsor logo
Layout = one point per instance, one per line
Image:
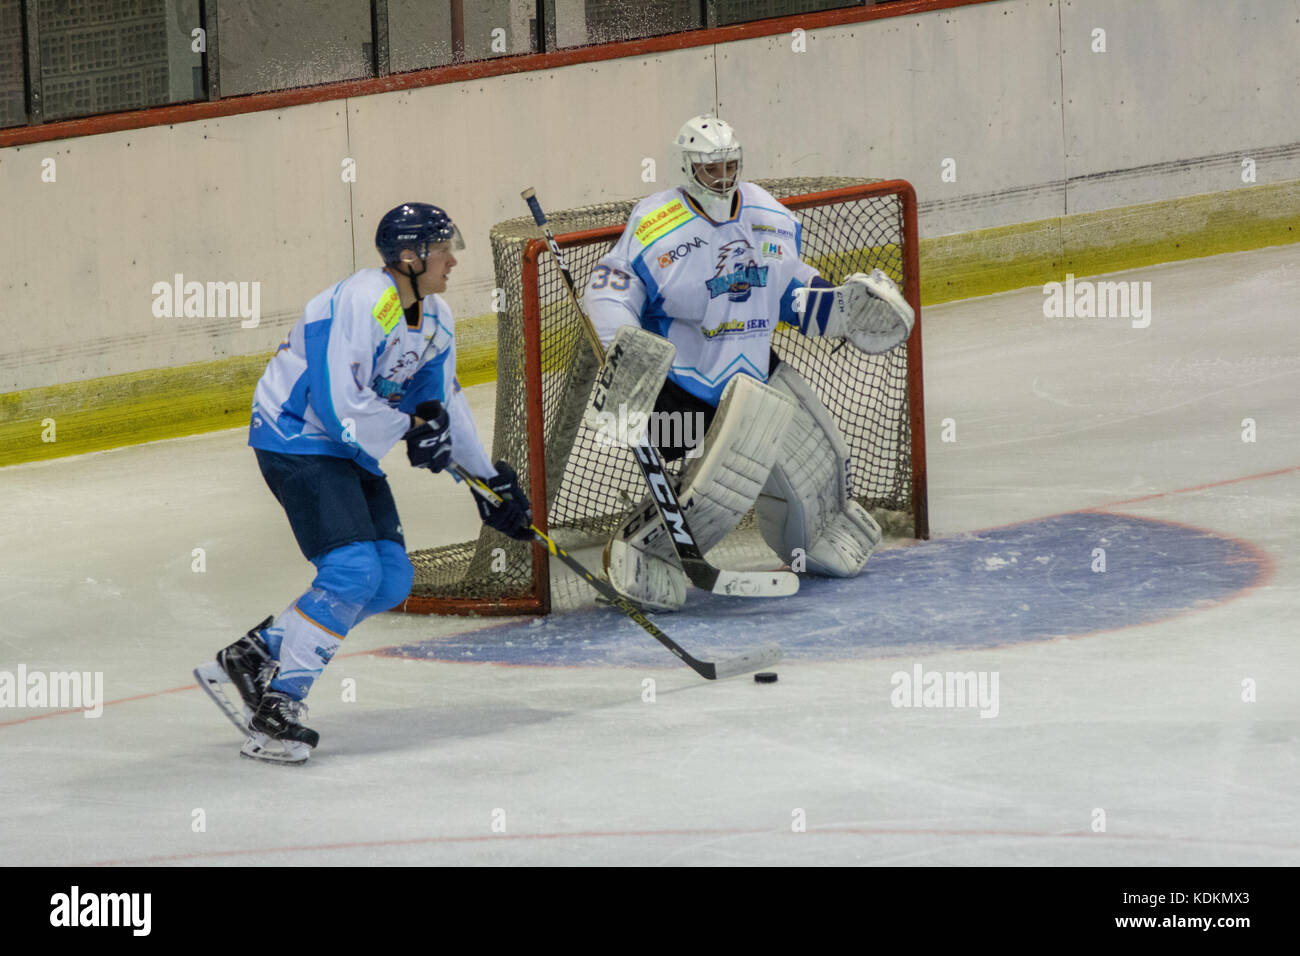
(681, 251)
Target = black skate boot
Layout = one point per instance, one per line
(248, 665)
(276, 732)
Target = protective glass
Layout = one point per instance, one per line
(451, 236)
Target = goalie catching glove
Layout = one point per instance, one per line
(513, 517)
(868, 310)
(429, 445)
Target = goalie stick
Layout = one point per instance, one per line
(764, 656)
(698, 569)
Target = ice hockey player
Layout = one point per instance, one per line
(371, 362)
(713, 265)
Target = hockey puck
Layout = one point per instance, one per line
(766, 677)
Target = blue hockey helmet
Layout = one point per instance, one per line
(415, 226)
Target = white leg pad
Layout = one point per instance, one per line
(653, 582)
(805, 503)
(719, 488)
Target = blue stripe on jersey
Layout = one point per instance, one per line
(431, 315)
(653, 317)
(643, 273)
(290, 421)
(711, 389)
(785, 309)
(784, 213)
(316, 340)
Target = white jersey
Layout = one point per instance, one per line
(352, 372)
(716, 290)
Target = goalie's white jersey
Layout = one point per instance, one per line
(715, 290)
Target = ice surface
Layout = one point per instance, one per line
(1118, 691)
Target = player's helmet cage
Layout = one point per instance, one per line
(703, 142)
(415, 226)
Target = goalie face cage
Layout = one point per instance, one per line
(580, 488)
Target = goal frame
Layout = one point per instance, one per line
(539, 600)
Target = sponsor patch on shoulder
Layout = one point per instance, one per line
(659, 222)
(388, 310)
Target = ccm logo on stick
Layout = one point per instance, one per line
(606, 377)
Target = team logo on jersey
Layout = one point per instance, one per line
(388, 386)
(408, 359)
(738, 274)
(680, 251)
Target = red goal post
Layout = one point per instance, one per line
(580, 487)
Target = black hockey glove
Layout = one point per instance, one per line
(513, 516)
(429, 445)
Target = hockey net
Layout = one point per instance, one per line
(582, 488)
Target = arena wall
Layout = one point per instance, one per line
(1034, 151)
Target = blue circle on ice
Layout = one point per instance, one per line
(1034, 581)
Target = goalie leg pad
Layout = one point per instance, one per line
(719, 488)
(805, 503)
(652, 582)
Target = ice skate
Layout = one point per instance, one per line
(276, 732)
(248, 665)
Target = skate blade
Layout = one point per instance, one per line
(212, 679)
(259, 746)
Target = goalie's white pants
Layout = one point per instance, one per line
(778, 440)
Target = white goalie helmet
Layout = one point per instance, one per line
(710, 163)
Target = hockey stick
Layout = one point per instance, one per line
(764, 656)
(698, 569)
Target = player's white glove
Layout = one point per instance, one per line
(868, 310)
